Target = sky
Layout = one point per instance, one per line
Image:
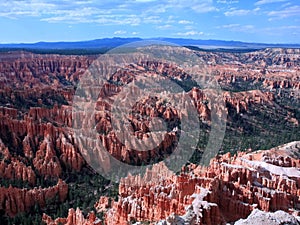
(261, 21)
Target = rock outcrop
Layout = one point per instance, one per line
(263, 218)
(17, 200)
(37, 138)
(12, 168)
(32, 70)
(230, 188)
(43, 136)
(73, 218)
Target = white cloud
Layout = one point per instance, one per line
(85, 15)
(199, 6)
(189, 27)
(262, 2)
(204, 8)
(83, 2)
(119, 32)
(279, 31)
(284, 13)
(152, 19)
(15, 9)
(237, 12)
(132, 20)
(50, 10)
(229, 25)
(235, 27)
(190, 33)
(165, 27)
(228, 2)
(290, 27)
(247, 28)
(286, 4)
(143, 1)
(157, 9)
(67, 11)
(103, 12)
(185, 22)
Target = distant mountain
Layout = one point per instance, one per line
(116, 41)
(93, 44)
(224, 44)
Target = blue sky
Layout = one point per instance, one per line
(266, 21)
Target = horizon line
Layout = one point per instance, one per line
(150, 38)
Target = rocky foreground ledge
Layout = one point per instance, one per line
(261, 187)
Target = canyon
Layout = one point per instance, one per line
(230, 188)
(40, 155)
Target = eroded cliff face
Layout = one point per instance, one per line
(13, 169)
(43, 136)
(37, 137)
(271, 67)
(22, 70)
(44, 132)
(16, 200)
(34, 147)
(75, 217)
(230, 188)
